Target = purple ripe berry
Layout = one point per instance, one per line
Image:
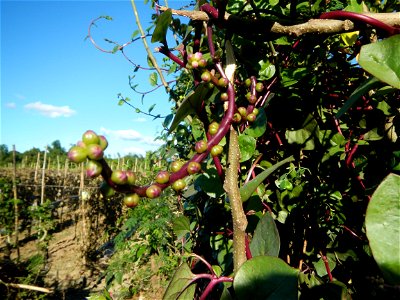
(94, 151)
(153, 191)
(119, 177)
(130, 177)
(193, 167)
(201, 146)
(77, 154)
(90, 137)
(162, 177)
(93, 168)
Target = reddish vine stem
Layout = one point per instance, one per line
(327, 267)
(391, 30)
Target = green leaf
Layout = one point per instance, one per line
(160, 32)
(178, 286)
(320, 267)
(247, 146)
(181, 226)
(265, 277)
(361, 90)
(267, 70)
(190, 104)
(382, 60)
(383, 227)
(210, 183)
(258, 127)
(151, 108)
(153, 78)
(266, 239)
(248, 189)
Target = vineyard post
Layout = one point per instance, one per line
(43, 177)
(16, 209)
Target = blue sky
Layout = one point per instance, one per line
(55, 84)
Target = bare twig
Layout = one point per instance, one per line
(27, 287)
(312, 26)
(238, 215)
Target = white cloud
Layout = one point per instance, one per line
(130, 135)
(49, 110)
(11, 105)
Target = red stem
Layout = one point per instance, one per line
(390, 30)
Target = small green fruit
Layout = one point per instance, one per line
(131, 200)
(247, 82)
(93, 168)
(94, 151)
(193, 167)
(213, 128)
(90, 137)
(216, 150)
(224, 96)
(130, 177)
(259, 87)
(206, 76)
(153, 191)
(106, 190)
(200, 146)
(251, 117)
(162, 177)
(237, 118)
(176, 165)
(243, 111)
(77, 154)
(119, 177)
(103, 142)
(179, 185)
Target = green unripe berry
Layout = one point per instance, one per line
(193, 167)
(237, 118)
(90, 137)
(153, 191)
(223, 82)
(259, 87)
(130, 177)
(131, 200)
(201, 146)
(255, 111)
(216, 150)
(213, 128)
(94, 151)
(251, 117)
(103, 142)
(176, 165)
(178, 185)
(119, 177)
(247, 82)
(206, 76)
(224, 96)
(242, 111)
(162, 177)
(106, 190)
(93, 168)
(77, 154)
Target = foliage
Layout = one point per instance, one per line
(322, 138)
